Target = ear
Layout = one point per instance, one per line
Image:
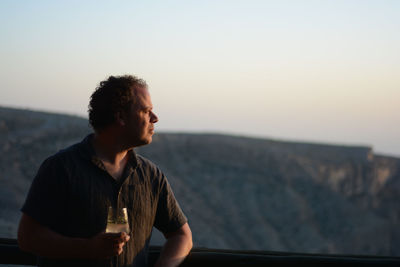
(120, 119)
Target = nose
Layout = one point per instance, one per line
(153, 117)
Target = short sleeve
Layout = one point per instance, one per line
(169, 216)
(46, 199)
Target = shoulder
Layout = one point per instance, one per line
(145, 162)
(66, 153)
(150, 169)
(64, 158)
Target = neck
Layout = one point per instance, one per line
(108, 148)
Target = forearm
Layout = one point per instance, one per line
(59, 247)
(44, 242)
(174, 251)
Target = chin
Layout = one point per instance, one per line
(145, 141)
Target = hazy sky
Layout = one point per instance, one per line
(320, 71)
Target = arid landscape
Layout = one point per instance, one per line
(238, 192)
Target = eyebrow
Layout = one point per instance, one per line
(147, 107)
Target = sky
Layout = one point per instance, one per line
(313, 71)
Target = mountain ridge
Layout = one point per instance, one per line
(261, 194)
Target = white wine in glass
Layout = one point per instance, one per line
(117, 221)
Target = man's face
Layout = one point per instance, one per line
(139, 121)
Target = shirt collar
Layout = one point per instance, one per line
(88, 152)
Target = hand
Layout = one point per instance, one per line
(107, 245)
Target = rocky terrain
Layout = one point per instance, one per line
(238, 192)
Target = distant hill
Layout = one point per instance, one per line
(238, 192)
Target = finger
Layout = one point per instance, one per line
(118, 242)
(116, 250)
(120, 250)
(111, 236)
(123, 237)
(127, 237)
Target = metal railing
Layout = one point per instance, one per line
(11, 254)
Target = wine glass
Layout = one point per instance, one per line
(117, 221)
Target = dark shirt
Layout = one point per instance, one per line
(72, 191)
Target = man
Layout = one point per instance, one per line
(65, 214)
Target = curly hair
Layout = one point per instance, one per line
(112, 96)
